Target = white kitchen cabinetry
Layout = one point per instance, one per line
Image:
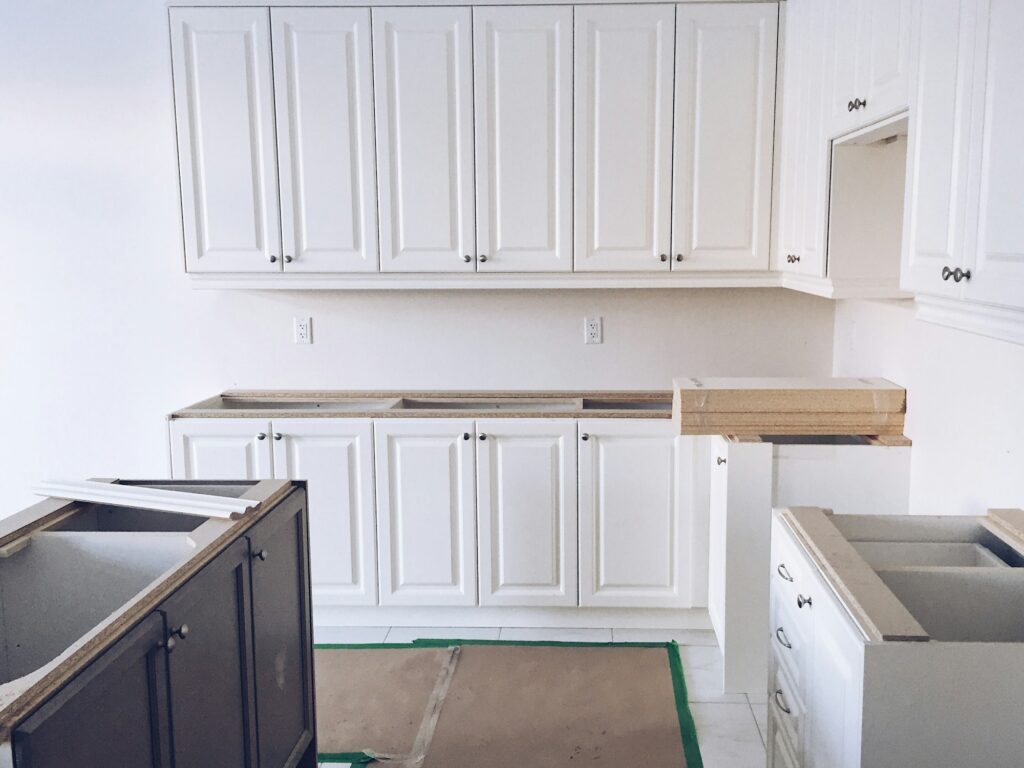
(803, 190)
(635, 514)
(526, 502)
(523, 82)
(335, 458)
(623, 136)
(323, 90)
(748, 479)
(221, 449)
(869, 45)
(423, 95)
(426, 511)
(224, 102)
(724, 132)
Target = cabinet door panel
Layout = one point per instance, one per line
(221, 449)
(843, 36)
(426, 528)
(223, 95)
(324, 99)
(885, 76)
(335, 457)
(423, 95)
(635, 514)
(623, 136)
(724, 132)
(114, 713)
(211, 667)
(282, 644)
(523, 81)
(526, 490)
(938, 147)
(998, 255)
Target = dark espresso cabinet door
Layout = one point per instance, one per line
(210, 665)
(112, 714)
(281, 635)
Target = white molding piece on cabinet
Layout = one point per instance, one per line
(205, 505)
(843, 289)
(386, 3)
(476, 280)
(983, 319)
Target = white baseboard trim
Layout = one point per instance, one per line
(596, 618)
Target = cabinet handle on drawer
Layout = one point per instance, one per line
(780, 635)
(780, 702)
(784, 572)
(719, 461)
(801, 601)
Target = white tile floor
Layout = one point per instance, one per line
(730, 728)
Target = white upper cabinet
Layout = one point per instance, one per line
(996, 251)
(526, 502)
(939, 147)
(221, 449)
(635, 514)
(623, 136)
(335, 458)
(224, 102)
(523, 81)
(423, 94)
(870, 46)
(426, 512)
(724, 133)
(324, 98)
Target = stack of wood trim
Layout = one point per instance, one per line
(778, 406)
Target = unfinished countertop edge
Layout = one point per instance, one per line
(1008, 526)
(210, 408)
(218, 535)
(872, 606)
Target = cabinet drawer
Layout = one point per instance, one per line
(786, 705)
(790, 570)
(791, 634)
(780, 752)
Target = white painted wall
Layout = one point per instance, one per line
(101, 335)
(965, 406)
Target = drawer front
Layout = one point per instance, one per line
(780, 752)
(789, 567)
(786, 705)
(791, 632)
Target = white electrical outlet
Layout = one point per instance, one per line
(303, 330)
(593, 332)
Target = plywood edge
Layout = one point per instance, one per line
(870, 603)
(1007, 525)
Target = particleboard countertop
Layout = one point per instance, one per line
(391, 404)
(21, 696)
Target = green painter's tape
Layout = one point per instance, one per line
(687, 728)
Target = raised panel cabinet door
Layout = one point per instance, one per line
(996, 259)
(210, 666)
(791, 146)
(634, 514)
(282, 634)
(523, 85)
(113, 713)
(335, 458)
(426, 521)
(526, 502)
(938, 148)
(843, 37)
(885, 56)
(724, 135)
(423, 96)
(323, 85)
(224, 103)
(221, 449)
(623, 137)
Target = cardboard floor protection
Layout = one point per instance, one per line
(506, 706)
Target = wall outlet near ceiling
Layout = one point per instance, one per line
(303, 330)
(593, 330)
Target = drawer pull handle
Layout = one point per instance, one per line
(261, 555)
(801, 601)
(720, 461)
(946, 273)
(780, 635)
(784, 572)
(780, 702)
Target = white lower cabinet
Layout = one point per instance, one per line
(634, 514)
(526, 504)
(221, 449)
(426, 522)
(335, 458)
